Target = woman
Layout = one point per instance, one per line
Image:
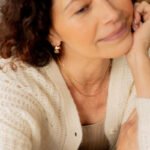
(66, 83)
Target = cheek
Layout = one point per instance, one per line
(75, 32)
(127, 10)
(127, 7)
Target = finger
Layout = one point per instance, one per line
(133, 115)
(143, 9)
(137, 16)
(136, 21)
(146, 17)
(132, 120)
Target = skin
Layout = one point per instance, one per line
(80, 32)
(137, 57)
(86, 58)
(139, 63)
(128, 134)
(79, 27)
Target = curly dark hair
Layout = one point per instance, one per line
(24, 31)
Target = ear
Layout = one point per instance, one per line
(54, 38)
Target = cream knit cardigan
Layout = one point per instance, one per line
(37, 111)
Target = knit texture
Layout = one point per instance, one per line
(37, 111)
(143, 107)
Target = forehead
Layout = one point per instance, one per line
(64, 3)
(61, 3)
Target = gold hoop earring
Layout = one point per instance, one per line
(57, 49)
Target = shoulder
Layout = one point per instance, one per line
(25, 87)
(120, 72)
(126, 86)
(19, 74)
(21, 113)
(17, 82)
(120, 64)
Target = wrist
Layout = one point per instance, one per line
(139, 64)
(137, 59)
(141, 75)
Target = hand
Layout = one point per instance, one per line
(141, 35)
(138, 57)
(128, 134)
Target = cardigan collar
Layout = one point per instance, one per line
(119, 85)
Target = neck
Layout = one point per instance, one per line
(85, 71)
(87, 77)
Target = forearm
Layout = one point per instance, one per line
(141, 75)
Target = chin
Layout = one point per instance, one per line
(120, 49)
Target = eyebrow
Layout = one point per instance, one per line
(70, 2)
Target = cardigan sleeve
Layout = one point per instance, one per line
(142, 106)
(19, 118)
(143, 110)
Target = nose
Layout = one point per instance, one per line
(108, 12)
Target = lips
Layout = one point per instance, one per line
(115, 34)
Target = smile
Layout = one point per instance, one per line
(116, 34)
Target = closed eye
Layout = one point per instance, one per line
(83, 9)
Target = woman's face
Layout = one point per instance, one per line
(93, 28)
